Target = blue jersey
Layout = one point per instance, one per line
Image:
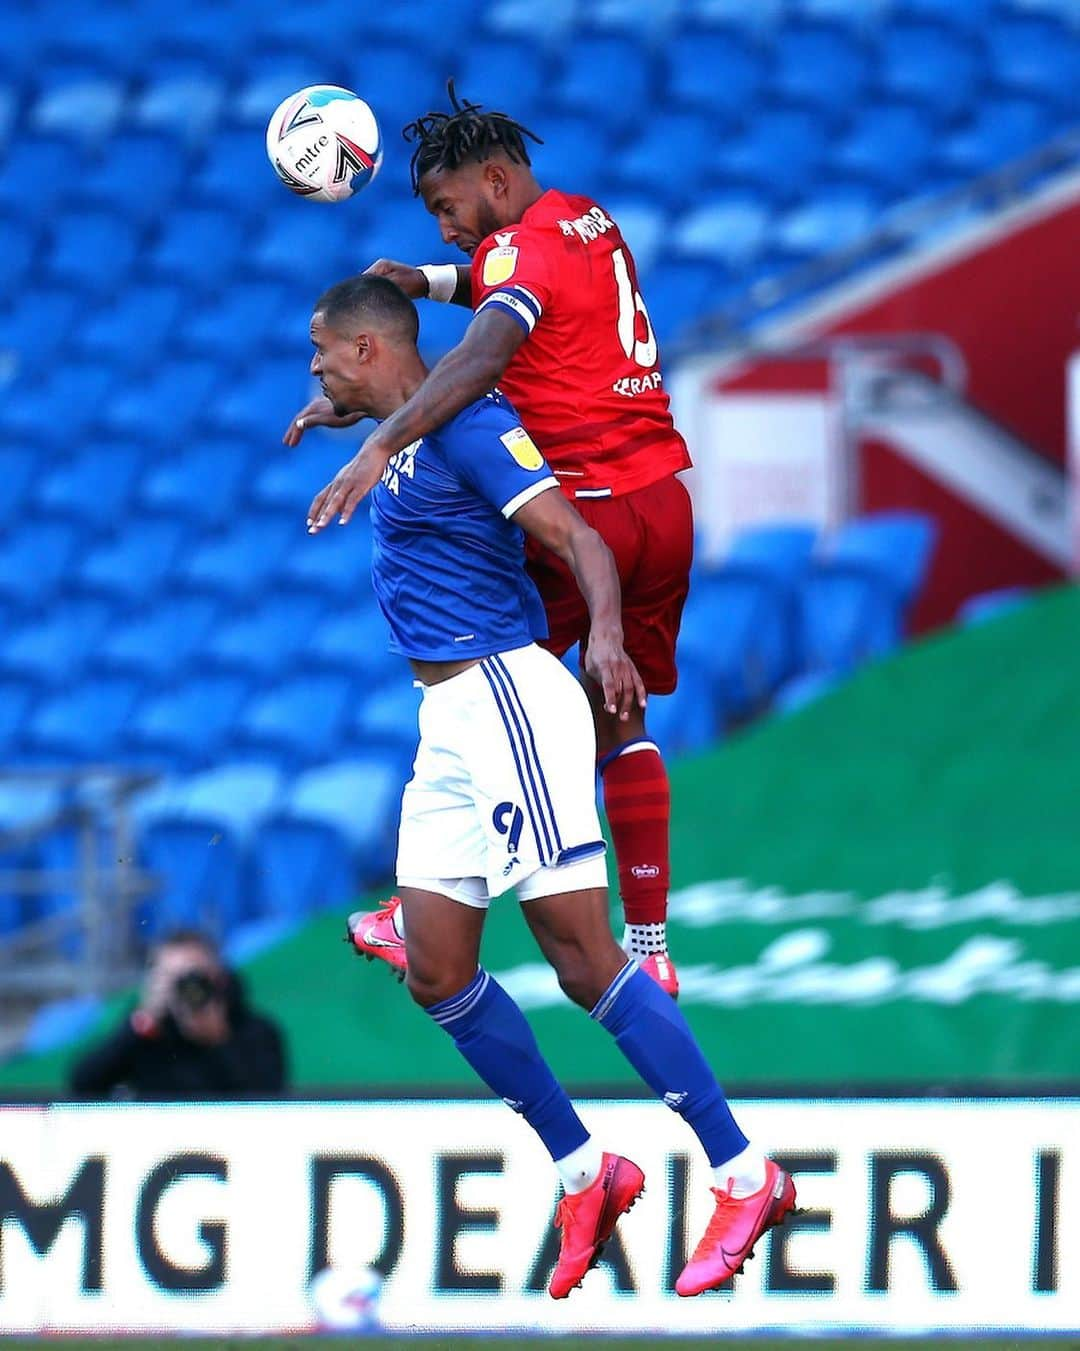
(448, 564)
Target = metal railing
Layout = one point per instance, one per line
(87, 945)
(730, 325)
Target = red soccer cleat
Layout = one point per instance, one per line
(372, 934)
(735, 1227)
(588, 1220)
(662, 969)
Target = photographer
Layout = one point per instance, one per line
(191, 1036)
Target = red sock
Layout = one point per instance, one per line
(637, 799)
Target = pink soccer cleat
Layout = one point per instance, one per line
(660, 966)
(588, 1220)
(735, 1227)
(372, 935)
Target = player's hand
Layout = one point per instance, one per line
(607, 663)
(411, 280)
(349, 486)
(318, 413)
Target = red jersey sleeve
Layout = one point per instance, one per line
(511, 272)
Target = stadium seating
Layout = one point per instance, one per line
(160, 601)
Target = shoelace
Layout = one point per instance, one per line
(714, 1229)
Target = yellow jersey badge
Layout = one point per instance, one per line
(522, 447)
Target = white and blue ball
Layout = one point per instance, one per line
(324, 143)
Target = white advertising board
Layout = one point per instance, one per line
(915, 1215)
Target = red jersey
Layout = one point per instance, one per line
(586, 381)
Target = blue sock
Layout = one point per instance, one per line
(656, 1039)
(491, 1033)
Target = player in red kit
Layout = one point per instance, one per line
(561, 327)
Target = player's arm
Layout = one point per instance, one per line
(416, 282)
(549, 518)
(465, 373)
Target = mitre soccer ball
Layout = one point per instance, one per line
(324, 143)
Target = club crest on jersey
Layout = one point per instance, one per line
(499, 264)
(522, 447)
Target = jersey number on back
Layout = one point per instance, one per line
(631, 304)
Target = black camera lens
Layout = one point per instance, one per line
(195, 989)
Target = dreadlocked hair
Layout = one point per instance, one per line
(448, 140)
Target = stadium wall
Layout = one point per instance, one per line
(437, 1216)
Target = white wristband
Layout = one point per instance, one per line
(442, 279)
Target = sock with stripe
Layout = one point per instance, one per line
(492, 1034)
(656, 1039)
(637, 800)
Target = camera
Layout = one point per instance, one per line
(195, 989)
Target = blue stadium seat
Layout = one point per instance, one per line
(34, 559)
(93, 251)
(403, 230)
(819, 66)
(267, 640)
(300, 719)
(757, 19)
(546, 25)
(356, 642)
(890, 146)
(856, 596)
(198, 247)
(146, 158)
(647, 21)
(441, 27)
(335, 833)
(780, 552)
(1036, 58)
(60, 1022)
(51, 163)
(86, 106)
(619, 65)
(507, 74)
(387, 716)
(189, 724)
(688, 720)
(895, 546)
(78, 387)
(990, 604)
(575, 155)
(804, 689)
(718, 71)
(1002, 129)
(337, 560)
(132, 563)
(933, 68)
(18, 471)
(184, 104)
(678, 292)
(38, 309)
(261, 403)
(167, 404)
(161, 642)
(52, 648)
(94, 486)
(108, 37)
(688, 140)
(240, 561)
(19, 244)
(728, 227)
(779, 155)
(643, 226)
(858, 14)
(289, 480)
(833, 219)
(17, 699)
(83, 723)
(399, 82)
(233, 168)
(303, 244)
(441, 327)
(246, 307)
(134, 328)
(969, 15)
(739, 628)
(203, 484)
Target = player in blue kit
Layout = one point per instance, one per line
(503, 791)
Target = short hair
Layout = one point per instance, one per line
(448, 140)
(368, 295)
(183, 938)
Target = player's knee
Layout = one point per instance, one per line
(581, 977)
(430, 985)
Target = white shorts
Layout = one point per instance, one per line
(503, 792)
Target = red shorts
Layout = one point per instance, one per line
(651, 534)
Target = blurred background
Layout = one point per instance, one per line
(855, 223)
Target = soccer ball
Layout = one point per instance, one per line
(324, 143)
